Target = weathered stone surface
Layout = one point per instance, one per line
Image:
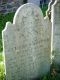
(26, 44)
(56, 31)
(49, 8)
(48, 27)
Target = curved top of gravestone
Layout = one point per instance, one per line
(26, 10)
(26, 13)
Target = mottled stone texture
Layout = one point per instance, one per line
(26, 44)
(56, 31)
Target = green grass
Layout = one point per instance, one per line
(44, 8)
(1, 57)
(2, 72)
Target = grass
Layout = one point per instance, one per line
(44, 8)
(2, 72)
(1, 57)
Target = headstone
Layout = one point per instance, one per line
(37, 2)
(49, 8)
(56, 31)
(48, 27)
(26, 44)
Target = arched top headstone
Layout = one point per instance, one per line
(27, 10)
(27, 44)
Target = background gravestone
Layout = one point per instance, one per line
(49, 8)
(48, 27)
(56, 31)
(26, 44)
(37, 2)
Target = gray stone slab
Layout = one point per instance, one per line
(56, 31)
(26, 44)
